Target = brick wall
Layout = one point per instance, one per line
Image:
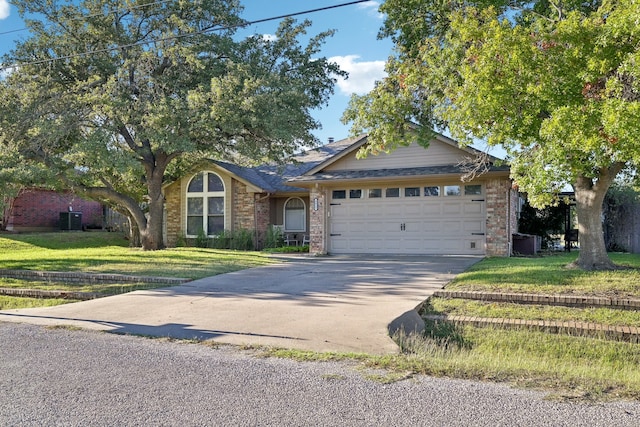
(243, 207)
(173, 213)
(39, 210)
(263, 217)
(501, 219)
(317, 222)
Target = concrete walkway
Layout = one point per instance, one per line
(339, 303)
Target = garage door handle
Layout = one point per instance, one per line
(335, 204)
(477, 200)
(332, 234)
(477, 234)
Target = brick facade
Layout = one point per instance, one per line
(39, 210)
(317, 222)
(173, 213)
(263, 217)
(243, 211)
(501, 202)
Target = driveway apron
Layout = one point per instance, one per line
(335, 303)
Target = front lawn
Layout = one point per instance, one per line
(549, 275)
(102, 252)
(572, 367)
(98, 252)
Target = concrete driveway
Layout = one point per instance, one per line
(337, 303)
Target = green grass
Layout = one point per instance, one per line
(462, 307)
(101, 252)
(567, 365)
(9, 303)
(549, 275)
(98, 252)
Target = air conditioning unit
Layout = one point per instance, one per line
(70, 221)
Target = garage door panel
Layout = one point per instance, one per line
(418, 225)
(432, 209)
(449, 208)
(473, 208)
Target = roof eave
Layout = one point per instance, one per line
(312, 182)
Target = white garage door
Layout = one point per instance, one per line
(408, 220)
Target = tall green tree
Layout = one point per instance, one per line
(556, 83)
(113, 97)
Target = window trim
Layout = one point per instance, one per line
(204, 196)
(304, 216)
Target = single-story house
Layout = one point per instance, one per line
(409, 201)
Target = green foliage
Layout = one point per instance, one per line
(273, 237)
(239, 240)
(181, 240)
(555, 84)
(113, 104)
(288, 249)
(202, 240)
(543, 222)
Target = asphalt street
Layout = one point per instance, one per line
(63, 377)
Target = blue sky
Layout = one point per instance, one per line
(355, 45)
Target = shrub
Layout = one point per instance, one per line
(202, 240)
(273, 237)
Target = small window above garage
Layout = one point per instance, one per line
(355, 194)
(339, 194)
(452, 190)
(473, 190)
(392, 192)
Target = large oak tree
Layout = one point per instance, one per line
(113, 98)
(556, 83)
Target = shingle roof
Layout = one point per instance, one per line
(390, 173)
(282, 178)
(273, 178)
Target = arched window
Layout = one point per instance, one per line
(295, 217)
(205, 205)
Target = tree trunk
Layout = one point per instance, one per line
(151, 234)
(134, 234)
(590, 195)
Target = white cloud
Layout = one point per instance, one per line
(362, 75)
(269, 37)
(4, 72)
(4, 9)
(372, 8)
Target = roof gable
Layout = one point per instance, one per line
(442, 151)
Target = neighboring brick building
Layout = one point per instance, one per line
(39, 210)
(410, 201)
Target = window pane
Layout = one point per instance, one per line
(451, 190)
(432, 191)
(412, 192)
(355, 194)
(339, 194)
(215, 224)
(472, 190)
(194, 206)
(294, 220)
(375, 193)
(392, 192)
(214, 183)
(195, 186)
(194, 225)
(216, 206)
(294, 204)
